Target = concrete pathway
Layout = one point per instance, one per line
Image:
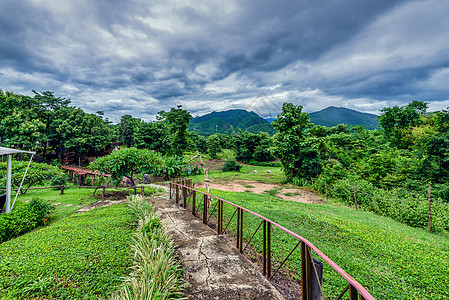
(214, 268)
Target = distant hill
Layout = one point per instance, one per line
(333, 116)
(227, 121)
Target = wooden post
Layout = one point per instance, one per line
(313, 188)
(142, 191)
(103, 193)
(355, 198)
(430, 207)
(62, 190)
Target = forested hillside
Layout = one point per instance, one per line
(230, 121)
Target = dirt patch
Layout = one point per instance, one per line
(101, 203)
(282, 191)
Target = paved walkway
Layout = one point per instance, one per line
(213, 267)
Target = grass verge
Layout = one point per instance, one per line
(390, 259)
(82, 256)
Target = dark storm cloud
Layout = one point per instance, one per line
(139, 57)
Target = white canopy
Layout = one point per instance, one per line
(9, 152)
(6, 151)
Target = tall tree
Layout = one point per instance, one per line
(289, 141)
(178, 119)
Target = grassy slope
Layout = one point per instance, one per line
(392, 260)
(82, 256)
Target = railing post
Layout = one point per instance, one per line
(241, 232)
(268, 249)
(177, 194)
(170, 187)
(306, 272)
(205, 209)
(264, 248)
(220, 217)
(353, 293)
(103, 192)
(62, 190)
(184, 195)
(238, 229)
(193, 202)
(142, 191)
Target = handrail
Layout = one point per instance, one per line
(352, 282)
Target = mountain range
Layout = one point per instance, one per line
(230, 120)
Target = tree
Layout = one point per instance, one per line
(153, 136)
(178, 120)
(20, 125)
(397, 122)
(81, 133)
(127, 162)
(213, 145)
(128, 128)
(290, 138)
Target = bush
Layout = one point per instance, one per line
(231, 165)
(60, 179)
(24, 217)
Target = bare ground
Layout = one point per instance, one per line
(285, 192)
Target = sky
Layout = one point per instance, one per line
(139, 57)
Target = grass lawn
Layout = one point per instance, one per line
(390, 259)
(81, 256)
(246, 173)
(70, 202)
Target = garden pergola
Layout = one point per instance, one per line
(9, 152)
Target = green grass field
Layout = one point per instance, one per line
(390, 259)
(81, 256)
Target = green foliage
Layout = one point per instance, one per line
(20, 123)
(178, 119)
(171, 167)
(231, 165)
(60, 179)
(23, 218)
(213, 145)
(127, 162)
(291, 146)
(38, 174)
(153, 136)
(253, 147)
(127, 129)
(80, 132)
(396, 122)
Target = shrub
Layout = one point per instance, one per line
(23, 218)
(60, 179)
(231, 165)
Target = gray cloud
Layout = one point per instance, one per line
(139, 57)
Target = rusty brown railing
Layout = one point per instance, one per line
(305, 284)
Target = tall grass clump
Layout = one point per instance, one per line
(155, 273)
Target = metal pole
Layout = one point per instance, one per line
(8, 183)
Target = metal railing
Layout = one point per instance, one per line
(260, 245)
